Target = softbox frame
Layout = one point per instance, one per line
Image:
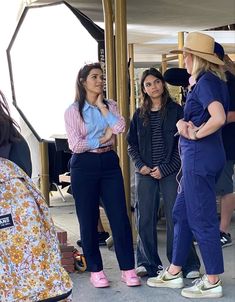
(94, 31)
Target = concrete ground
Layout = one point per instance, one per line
(64, 216)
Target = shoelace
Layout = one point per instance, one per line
(198, 282)
(160, 269)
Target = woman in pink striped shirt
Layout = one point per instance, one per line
(91, 125)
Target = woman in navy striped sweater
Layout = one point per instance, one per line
(154, 150)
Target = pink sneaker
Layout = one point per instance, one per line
(130, 278)
(98, 279)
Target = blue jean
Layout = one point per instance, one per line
(96, 175)
(147, 203)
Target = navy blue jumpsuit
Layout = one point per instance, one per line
(195, 212)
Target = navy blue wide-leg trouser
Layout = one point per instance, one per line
(195, 215)
(95, 175)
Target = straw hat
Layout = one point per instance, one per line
(200, 45)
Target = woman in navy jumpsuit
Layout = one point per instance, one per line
(203, 158)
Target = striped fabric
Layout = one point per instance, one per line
(158, 148)
(173, 166)
(84, 135)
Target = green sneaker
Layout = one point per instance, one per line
(203, 289)
(165, 279)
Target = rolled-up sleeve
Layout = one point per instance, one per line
(115, 121)
(76, 132)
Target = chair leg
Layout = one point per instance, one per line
(109, 242)
(59, 190)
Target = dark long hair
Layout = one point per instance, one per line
(80, 94)
(8, 132)
(146, 103)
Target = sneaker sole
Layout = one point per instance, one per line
(129, 284)
(165, 284)
(96, 285)
(201, 296)
(227, 244)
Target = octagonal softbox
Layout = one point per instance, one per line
(49, 45)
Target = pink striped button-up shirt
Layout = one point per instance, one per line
(84, 135)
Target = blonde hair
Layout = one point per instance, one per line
(200, 65)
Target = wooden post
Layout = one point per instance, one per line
(44, 177)
(132, 79)
(180, 46)
(164, 63)
(109, 49)
(122, 96)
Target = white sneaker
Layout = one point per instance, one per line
(192, 275)
(141, 271)
(203, 289)
(165, 279)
